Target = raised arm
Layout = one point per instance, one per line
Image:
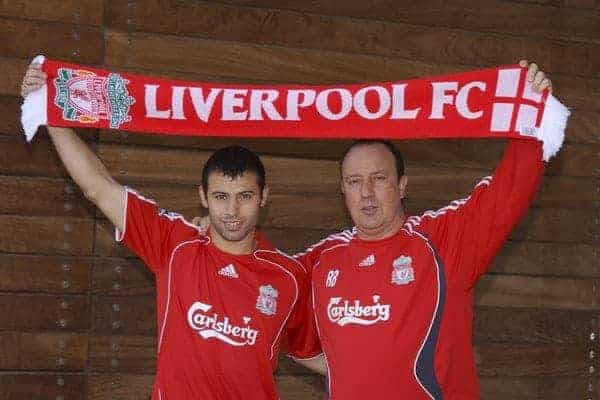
(83, 165)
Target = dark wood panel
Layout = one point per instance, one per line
(552, 259)
(122, 276)
(532, 325)
(133, 354)
(46, 235)
(433, 43)
(88, 12)
(41, 386)
(540, 292)
(43, 196)
(526, 388)
(12, 71)
(568, 23)
(45, 274)
(44, 313)
(42, 351)
(77, 43)
(125, 315)
(527, 360)
(118, 386)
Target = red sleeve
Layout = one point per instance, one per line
(152, 233)
(302, 339)
(468, 233)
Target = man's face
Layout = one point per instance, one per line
(233, 204)
(371, 188)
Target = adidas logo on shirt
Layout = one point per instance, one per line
(367, 262)
(229, 271)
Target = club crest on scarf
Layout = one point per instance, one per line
(266, 302)
(402, 273)
(87, 98)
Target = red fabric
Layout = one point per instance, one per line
(197, 282)
(406, 353)
(478, 106)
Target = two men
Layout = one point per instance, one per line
(392, 297)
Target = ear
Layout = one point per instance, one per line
(203, 198)
(265, 196)
(402, 185)
(342, 185)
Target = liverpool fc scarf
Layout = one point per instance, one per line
(490, 103)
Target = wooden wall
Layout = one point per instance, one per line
(77, 311)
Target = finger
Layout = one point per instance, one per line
(533, 69)
(546, 84)
(523, 63)
(537, 80)
(197, 221)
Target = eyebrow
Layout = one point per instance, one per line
(380, 171)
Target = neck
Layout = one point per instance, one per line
(245, 246)
(384, 231)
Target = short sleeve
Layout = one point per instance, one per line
(151, 232)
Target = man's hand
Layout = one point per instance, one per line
(538, 78)
(34, 79)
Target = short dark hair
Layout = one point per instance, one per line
(399, 160)
(233, 162)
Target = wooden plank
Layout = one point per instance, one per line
(122, 276)
(46, 235)
(532, 325)
(574, 260)
(556, 225)
(78, 43)
(36, 158)
(41, 386)
(133, 354)
(43, 351)
(540, 292)
(119, 386)
(434, 43)
(253, 61)
(496, 16)
(527, 388)
(528, 360)
(86, 12)
(44, 274)
(12, 71)
(43, 196)
(11, 110)
(43, 313)
(125, 315)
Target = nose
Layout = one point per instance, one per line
(366, 188)
(232, 207)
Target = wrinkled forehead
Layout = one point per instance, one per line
(367, 159)
(219, 182)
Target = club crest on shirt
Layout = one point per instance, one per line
(402, 272)
(266, 302)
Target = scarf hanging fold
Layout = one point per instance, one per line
(490, 103)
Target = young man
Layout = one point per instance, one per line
(223, 298)
(393, 297)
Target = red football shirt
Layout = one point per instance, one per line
(395, 315)
(221, 317)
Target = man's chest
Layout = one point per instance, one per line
(375, 286)
(228, 301)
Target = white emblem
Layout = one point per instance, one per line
(332, 277)
(403, 273)
(220, 328)
(267, 300)
(368, 261)
(229, 271)
(345, 312)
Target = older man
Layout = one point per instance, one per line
(393, 297)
